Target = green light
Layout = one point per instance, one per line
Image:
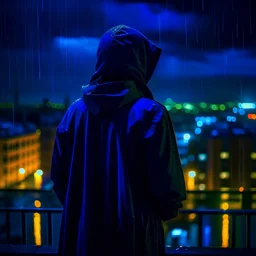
(203, 105)
(222, 107)
(178, 106)
(214, 107)
(188, 106)
(168, 101)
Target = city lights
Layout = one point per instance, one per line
(253, 175)
(253, 155)
(251, 116)
(214, 133)
(192, 174)
(224, 206)
(37, 203)
(186, 136)
(22, 171)
(241, 189)
(199, 123)
(224, 175)
(231, 118)
(202, 157)
(39, 172)
(202, 187)
(201, 176)
(247, 105)
(224, 155)
(198, 131)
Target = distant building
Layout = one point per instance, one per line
(19, 154)
(224, 160)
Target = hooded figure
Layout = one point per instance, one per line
(115, 165)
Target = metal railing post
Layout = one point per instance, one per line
(248, 231)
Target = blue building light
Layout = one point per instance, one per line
(241, 111)
(202, 157)
(214, 133)
(247, 105)
(235, 110)
(199, 123)
(198, 131)
(186, 136)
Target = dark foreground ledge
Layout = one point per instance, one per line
(30, 250)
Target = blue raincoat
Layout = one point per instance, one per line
(115, 165)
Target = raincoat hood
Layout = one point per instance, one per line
(126, 60)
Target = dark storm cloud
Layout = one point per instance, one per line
(49, 45)
(208, 25)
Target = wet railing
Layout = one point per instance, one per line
(23, 248)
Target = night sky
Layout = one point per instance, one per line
(48, 47)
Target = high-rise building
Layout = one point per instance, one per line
(224, 161)
(19, 157)
(230, 162)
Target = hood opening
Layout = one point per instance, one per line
(124, 54)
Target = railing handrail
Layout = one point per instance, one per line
(220, 211)
(231, 191)
(201, 212)
(186, 211)
(43, 210)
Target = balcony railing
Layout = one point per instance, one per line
(50, 248)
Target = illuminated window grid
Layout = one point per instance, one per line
(20, 152)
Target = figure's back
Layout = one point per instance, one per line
(107, 200)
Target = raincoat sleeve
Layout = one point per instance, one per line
(59, 166)
(165, 173)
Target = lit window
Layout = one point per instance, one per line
(253, 155)
(202, 157)
(224, 155)
(253, 175)
(201, 186)
(192, 174)
(224, 196)
(22, 171)
(37, 203)
(201, 176)
(224, 206)
(192, 216)
(224, 175)
(241, 189)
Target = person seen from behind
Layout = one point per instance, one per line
(115, 165)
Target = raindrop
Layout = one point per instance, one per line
(237, 26)
(232, 39)
(218, 36)
(159, 28)
(25, 43)
(250, 7)
(243, 40)
(66, 34)
(186, 32)
(214, 19)
(222, 20)
(9, 68)
(38, 42)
